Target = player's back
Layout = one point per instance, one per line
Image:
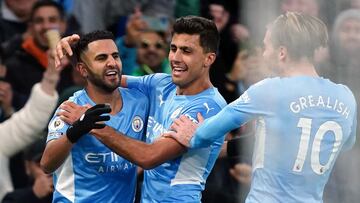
(303, 124)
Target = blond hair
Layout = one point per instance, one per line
(301, 34)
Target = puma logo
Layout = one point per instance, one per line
(161, 100)
(207, 107)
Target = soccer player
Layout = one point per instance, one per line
(85, 169)
(303, 120)
(173, 173)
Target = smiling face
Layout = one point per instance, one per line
(151, 50)
(45, 18)
(189, 63)
(101, 65)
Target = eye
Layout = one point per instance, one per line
(101, 58)
(186, 50)
(115, 55)
(173, 48)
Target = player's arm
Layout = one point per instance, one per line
(57, 150)
(213, 128)
(144, 155)
(55, 153)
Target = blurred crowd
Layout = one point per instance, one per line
(142, 30)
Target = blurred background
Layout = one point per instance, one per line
(143, 32)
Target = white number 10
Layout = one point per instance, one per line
(305, 125)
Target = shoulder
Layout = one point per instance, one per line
(161, 77)
(78, 96)
(133, 94)
(208, 103)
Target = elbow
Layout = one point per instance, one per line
(148, 162)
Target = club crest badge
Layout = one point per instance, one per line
(137, 124)
(56, 124)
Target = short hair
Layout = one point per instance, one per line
(45, 3)
(82, 44)
(205, 28)
(301, 34)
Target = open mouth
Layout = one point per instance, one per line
(111, 74)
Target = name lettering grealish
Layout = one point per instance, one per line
(311, 101)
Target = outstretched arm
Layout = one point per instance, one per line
(144, 155)
(196, 136)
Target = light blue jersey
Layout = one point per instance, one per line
(302, 124)
(92, 172)
(181, 179)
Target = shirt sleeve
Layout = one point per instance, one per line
(234, 115)
(56, 128)
(146, 84)
(24, 126)
(352, 138)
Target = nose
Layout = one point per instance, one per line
(111, 62)
(175, 55)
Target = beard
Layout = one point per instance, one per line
(100, 82)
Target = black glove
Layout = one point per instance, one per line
(88, 121)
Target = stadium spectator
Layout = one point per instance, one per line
(14, 16)
(24, 126)
(40, 186)
(28, 63)
(341, 65)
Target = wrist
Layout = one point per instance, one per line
(51, 78)
(72, 135)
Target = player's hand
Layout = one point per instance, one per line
(63, 48)
(134, 27)
(103, 132)
(43, 186)
(242, 173)
(183, 129)
(91, 119)
(71, 112)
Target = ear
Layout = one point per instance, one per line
(209, 59)
(81, 67)
(283, 55)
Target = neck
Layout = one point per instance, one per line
(299, 68)
(194, 88)
(100, 97)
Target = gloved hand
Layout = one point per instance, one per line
(88, 121)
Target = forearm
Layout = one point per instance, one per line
(55, 154)
(142, 154)
(25, 125)
(49, 82)
(135, 151)
(214, 128)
